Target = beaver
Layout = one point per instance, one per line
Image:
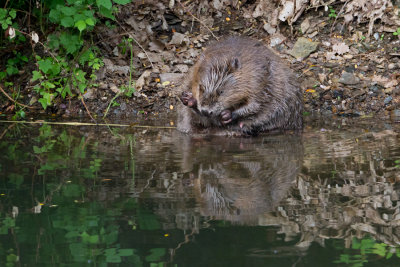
(240, 86)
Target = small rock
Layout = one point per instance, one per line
(357, 93)
(142, 80)
(396, 112)
(349, 78)
(89, 94)
(156, 46)
(388, 100)
(268, 28)
(327, 97)
(305, 25)
(182, 68)
(331, 64)
(388, 90)
(277, 39)
(303, 47)
(115, 51)
(114, 88)
(374, 88)
(171, 77)
(376, 36)
(103, 86)
(188, 62)
(165, 69)
(309, 83)
(391, 66)
(178, 39)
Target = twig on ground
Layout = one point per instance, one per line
(109, 105)
(202, 23)
(89, 124)
(87, 110)
(16, 102)
(340, 12)
(6, 130)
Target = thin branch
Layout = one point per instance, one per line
(6, 130)
(87, 110)
(202, 23)
(16, 102)
(340, 12)
(89, 124)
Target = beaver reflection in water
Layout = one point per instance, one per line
(240, 86)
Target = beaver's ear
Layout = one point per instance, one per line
(234, 64)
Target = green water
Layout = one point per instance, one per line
(111, 196)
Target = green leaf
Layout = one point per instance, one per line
(67, 22)
(3, 13)
(43, 102)
(21, 113)
(104, 3)
(70, 42)
(90, 21)
(81, 25)
(53, 41)
(55, 69)
(11, 70)
(113, 259)
(54, 15)
(3, 74)
(44, 65)
(37, 150)
(12, 13)
(68, 11)
(122, 2)
(106, 12)
(156, 254)
(125, 252)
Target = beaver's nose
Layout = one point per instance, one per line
(206, 112)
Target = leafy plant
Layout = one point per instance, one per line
(126, 46)
(397, 163)
(67, 66)
(6, 17)
(397, 32)
(332, 12)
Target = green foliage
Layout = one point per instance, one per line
(70, 59)
(397, 32)
(332, 12)
(397, 162)
(6, 17)
(361, 249)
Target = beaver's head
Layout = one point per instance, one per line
(215, 84)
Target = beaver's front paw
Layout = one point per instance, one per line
(188, 100)
(226, 116)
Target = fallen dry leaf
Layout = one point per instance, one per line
(340, 48)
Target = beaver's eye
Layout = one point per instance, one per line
(220, 91)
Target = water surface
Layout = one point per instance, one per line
(128, 196)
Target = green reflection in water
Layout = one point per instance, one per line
(47, 215)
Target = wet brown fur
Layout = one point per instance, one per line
(239, 85)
